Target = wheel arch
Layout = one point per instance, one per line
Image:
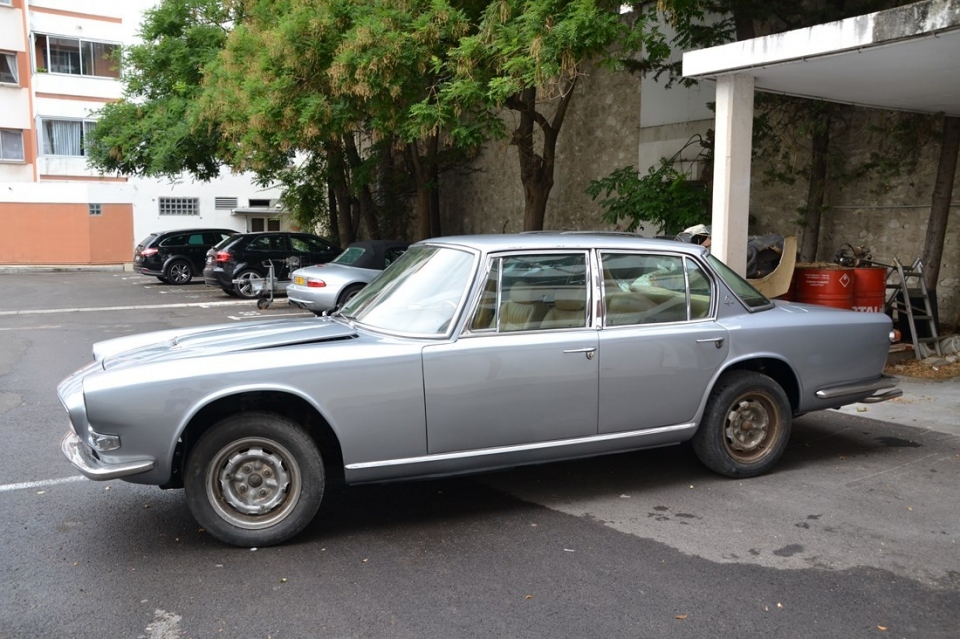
(282, 402)
(773, 367)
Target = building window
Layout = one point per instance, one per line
(64, 137)
(9, 3)
(259, 203)
(222, 203)
(77, 57)
(8, 68)
(96, 209)
(11, 144)
(179, 206)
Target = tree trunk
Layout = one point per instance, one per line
(940, 204)
(332, 210)
(536, 170)
(424, 173)
(368, 209)
(341, 190)
(817, 187)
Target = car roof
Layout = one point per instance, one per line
(544, 240)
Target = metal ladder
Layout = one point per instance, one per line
(905, 286)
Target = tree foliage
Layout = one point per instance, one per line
(155, 130)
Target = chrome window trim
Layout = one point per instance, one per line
(708, 272)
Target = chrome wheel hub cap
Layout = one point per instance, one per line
(747, 425)
(254, 481)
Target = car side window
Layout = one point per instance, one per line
(174, 240)
(267, 243)
(195, 239)
(309, 244)
(653, 289)
(700, 291)
(390, 255)
(534, 292)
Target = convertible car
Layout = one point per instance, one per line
(469, 354)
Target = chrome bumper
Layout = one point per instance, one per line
(80, 456)
(879, 391)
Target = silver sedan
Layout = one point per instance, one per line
(325, 286)
(469, 354)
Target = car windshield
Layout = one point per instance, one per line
(350, 256)
(419, 294)
(750, 296)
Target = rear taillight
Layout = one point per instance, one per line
(223, 256)
(148, 252)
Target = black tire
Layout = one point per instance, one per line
(348, 293)
(261, 451)
(179, 272)
(229, 291)
(249, 284)
(745, 427)
(163, 280)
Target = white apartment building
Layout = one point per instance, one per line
(56, 71)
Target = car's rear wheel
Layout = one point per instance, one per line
(163, 280)
(248, 284)
(745, 426)
(179, 272)
(349, 293)
(254, 479)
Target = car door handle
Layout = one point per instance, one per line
(589, 350)
(718, 341)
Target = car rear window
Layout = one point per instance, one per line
(225, 241)
(350, 256)
(147, 240)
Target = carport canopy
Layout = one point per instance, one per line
(906, 59)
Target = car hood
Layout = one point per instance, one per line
(220, 339)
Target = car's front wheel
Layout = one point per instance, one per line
(179, 272)
(745, 426)
(248, 284)
(254, 479)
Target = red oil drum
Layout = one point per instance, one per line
(869, 289)
(826, 287)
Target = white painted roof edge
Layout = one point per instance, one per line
(873, 29)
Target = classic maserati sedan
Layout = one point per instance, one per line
(469, 354)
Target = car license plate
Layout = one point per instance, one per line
(298, 280)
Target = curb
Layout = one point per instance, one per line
(19, 269)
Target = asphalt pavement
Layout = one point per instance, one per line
(854, 534)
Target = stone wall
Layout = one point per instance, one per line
(602, 133)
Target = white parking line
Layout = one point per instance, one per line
(137, 307)
(40, 484)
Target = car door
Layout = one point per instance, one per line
(525, 369)
(660, 344)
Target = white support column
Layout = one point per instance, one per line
(733, 143)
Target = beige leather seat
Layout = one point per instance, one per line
(569, 310)
(624, 309)
(523, 309)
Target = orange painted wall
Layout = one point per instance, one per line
(65, 234)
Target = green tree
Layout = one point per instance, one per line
(527, 57)
(155, 129)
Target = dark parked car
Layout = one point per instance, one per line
(240, 263)
(469, 354)
(175, 257)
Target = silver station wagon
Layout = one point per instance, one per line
(468, 354)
